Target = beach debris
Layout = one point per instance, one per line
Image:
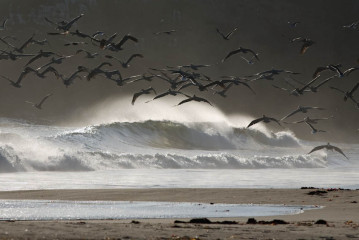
(321, 221)
(308, 188)
(317, 192)
(273, 222)
(135, 222)
(205, 221)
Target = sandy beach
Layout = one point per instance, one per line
(340, 211)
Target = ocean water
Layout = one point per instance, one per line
(165, 153)
(73, 210)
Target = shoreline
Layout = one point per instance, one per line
(340, 211)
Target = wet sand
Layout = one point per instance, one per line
(341, 212)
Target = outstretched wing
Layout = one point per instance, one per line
(317, 148)
(221, 33)
(274, 120)
(133, 56)
(44, 99)
(354, 89)
(230, 33)
(255, 121)
(340, 151)
(135, 96)
(124, 39)
(231, 54)
(290, 114)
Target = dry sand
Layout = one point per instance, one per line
(340, 211)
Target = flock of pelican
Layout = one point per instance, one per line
(178, 78)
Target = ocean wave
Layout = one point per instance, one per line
(174, 135)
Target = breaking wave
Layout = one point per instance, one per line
(149, 144)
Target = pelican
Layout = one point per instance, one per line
(353, 25)
(314, 130)
(126, 63)
(21, 48)
(310, 120)
(228, 35)
(64, 25)
(97, 70)
(67, 81)
(239, 50)
(143, 91)
(194, 98)
(13, 56)
(39, 105)
(349, 94)
(301, 109)
(263, 119)
(224, 91)
(40, 55)
(194, 66)
(17, 84)
(118, 46)
(329, 147)
(2, 27)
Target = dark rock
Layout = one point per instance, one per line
(308, 188)
(317, 192)
(353, 202)
(251, 221)
(135, 222)
(321, 221)
(200, 220)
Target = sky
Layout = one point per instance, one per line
(262, 26)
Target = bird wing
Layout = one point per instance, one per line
(340, 151)
(305, 47)
(325, 81)
(348, 71)
(199, 99)
(69, 24)
(311, 126)
(232, 53)
(44, 99)
(319, 70)
(255, 121)
(220, 33)
(337, 89)
(135, 96)
(133, 56)
(34, 59)
(291, 114)
(26, 43)
(317, 148)
(274, 120)
(124, 39)
(354, 89)
(186, 101)
(230, 33)
(254, 53)
(51, 22)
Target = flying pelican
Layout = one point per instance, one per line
(264, 119)
(301, 109)
(40, 55)
(64, 25)
(194, 66)
(118, 46)
(349, 94)
(314, 130)
(224, 91)
(18, 49)
(143, 91)
(194, 98)
(17, 84)
(97, 70)
(239, 50)
(2, 27)
(329, 147)
(13, 56)
(126, 63)
(39, 105)
(228, 35)
(75, 43)
(67, 81)
(310, 120)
